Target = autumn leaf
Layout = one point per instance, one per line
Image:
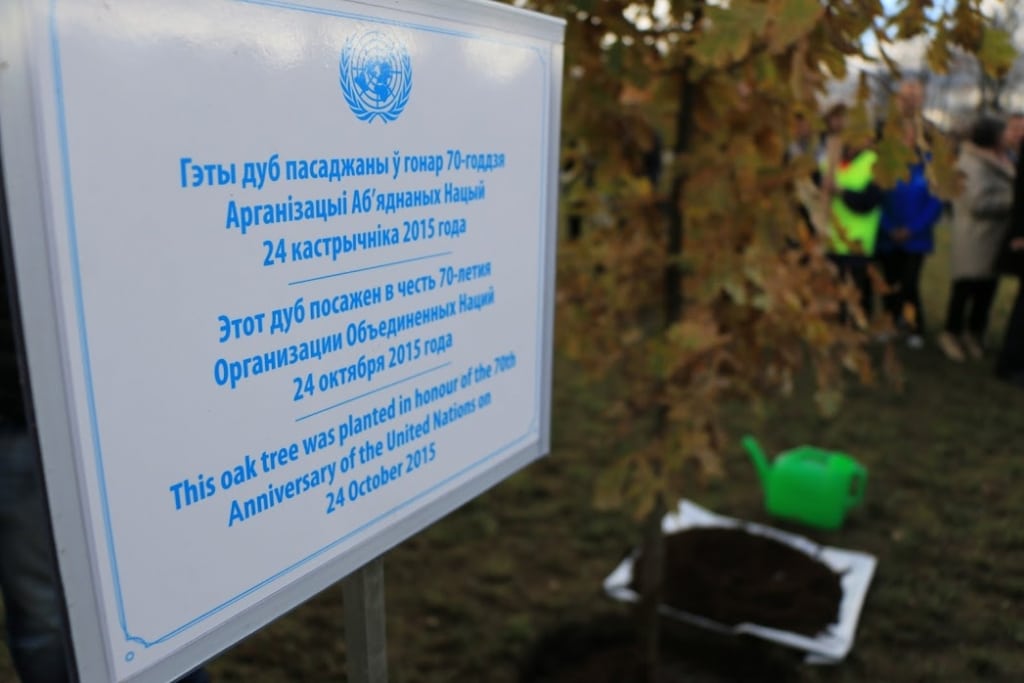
(610, 486)
(835, 62)
(829, 401)
(859, 129)
(968, 27)
(729, 32)
(747, 161)
(910, 313)
(791, 21)
(801, 77)
(911, 20)
(893, 370)
(694, 336)
(894, 155)
(943, 177)
(938, 54)
(997, 53)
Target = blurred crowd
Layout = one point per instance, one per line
(879, 238)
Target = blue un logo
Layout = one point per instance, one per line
(376, 76)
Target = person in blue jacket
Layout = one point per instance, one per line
(906, 237)
(909, 216)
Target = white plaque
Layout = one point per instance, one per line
(298, 259)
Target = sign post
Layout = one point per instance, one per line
(365, 632)
(286, 275)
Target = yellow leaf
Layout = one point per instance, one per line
(792, 20)
(968, 27)
(835, 61)
(943, 179)
(938, 53)
(695, 335)
(910, 21)
(746, 158)
(894, 155)
(997, 53)
(729, 32)
(829, 401)
(610, 485)
(910, 313)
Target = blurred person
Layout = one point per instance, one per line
(830, 146)
(813, 194)
(856, 209)
(1014, 135)
(33, 607)
(909, 216)
(803, 146)
(1010, 363)
(910, 101)
(801, 137)
(29, 582)
(981, 221)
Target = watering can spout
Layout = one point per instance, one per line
(758, 456)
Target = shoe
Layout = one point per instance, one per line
(951, 348)
(915, 342)
(972, 346)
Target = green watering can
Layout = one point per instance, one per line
(808, 484)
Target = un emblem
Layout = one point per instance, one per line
(376, 76)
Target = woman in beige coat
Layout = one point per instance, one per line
(981, 219)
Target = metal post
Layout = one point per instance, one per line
(365, 632)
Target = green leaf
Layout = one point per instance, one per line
(997, 53)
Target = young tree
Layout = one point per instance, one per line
(706, 284)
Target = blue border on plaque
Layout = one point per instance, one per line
(68, 196)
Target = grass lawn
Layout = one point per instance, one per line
(469, 598)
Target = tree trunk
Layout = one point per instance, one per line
(651, 583)
(653, 544)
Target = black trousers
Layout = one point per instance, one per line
(1010, 363)
(902, 271)
(856, 269)
(977, 294)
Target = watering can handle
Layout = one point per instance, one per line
(857, 487)
(753, 449)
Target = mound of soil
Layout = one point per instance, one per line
(732, 577)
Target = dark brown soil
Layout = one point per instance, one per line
(733, 577)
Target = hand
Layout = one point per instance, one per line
(900, 235)
(1017, 244)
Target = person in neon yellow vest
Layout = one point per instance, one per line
(856, 207)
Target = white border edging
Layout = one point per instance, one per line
(856, 569)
